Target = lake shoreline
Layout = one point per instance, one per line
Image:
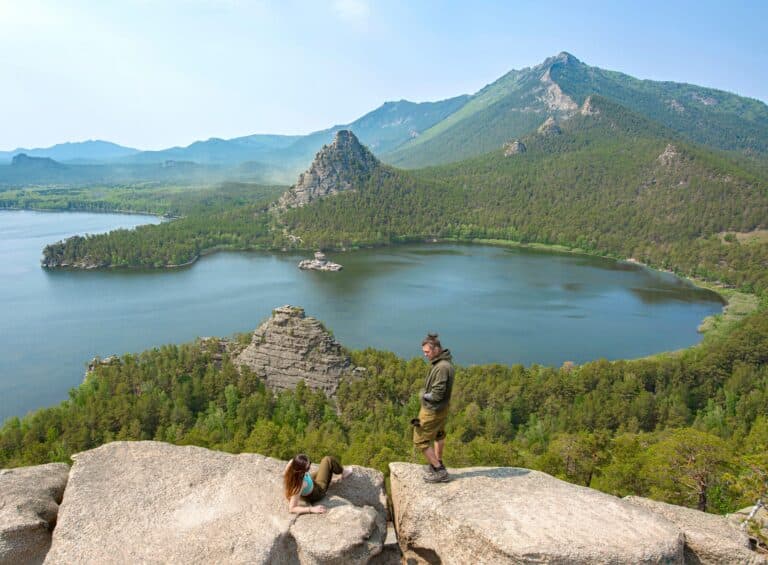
(482, 300)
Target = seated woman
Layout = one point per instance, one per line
(300, 484)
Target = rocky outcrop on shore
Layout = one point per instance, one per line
(151, 502)
(319, 263)
(338, 167)
(29, 506)
(290, 347)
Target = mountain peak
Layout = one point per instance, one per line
(566, 57)
(22, 160)
(562, 58)
(339, 167)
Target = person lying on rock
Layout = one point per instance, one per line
(299, 484)
(429, 427)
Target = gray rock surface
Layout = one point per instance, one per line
(514, 148)
(669, 157)
(511, 515)
(29, 505)
(588, 108)
(290, 347)
(757, 529)
(151, 502)
(708, 538)
(554, 98)
(550, 127)
(337, 167)
(319, 263)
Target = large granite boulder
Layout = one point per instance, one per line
(151, 502)
(511, 515)
(708, 538)
(290, 347)
(29, 505)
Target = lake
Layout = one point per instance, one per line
(489, 304)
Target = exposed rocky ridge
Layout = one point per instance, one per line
(589, 108)
(550, 127)
(670, 156)
(151, 502)
(29, 506)
(708, 538)
(554, 98)
(337, 167)
(290, 347)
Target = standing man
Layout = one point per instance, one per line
(435, 400)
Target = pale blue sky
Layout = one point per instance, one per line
(156, 73)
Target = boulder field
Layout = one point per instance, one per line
(152, 502)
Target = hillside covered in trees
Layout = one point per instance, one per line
(606, 181)
(690, 429)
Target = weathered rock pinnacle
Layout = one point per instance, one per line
(338, 167)
(290, 347)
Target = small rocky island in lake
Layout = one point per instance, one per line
(319, 263)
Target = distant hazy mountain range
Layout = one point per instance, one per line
(413, 135)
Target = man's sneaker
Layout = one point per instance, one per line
(437, 476)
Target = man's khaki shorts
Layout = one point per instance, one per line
(432, 427)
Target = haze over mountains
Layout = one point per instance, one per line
(414, 135)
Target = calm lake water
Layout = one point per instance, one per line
(488, 304)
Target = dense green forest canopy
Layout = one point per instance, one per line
(622, 427)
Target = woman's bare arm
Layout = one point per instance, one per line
(295, 507)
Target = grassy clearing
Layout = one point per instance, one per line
(754, 236)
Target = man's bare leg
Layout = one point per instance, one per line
(439, 446)
(429, 453)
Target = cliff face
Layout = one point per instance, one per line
(337, 167)
(290, 347)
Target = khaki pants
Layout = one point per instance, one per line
(329, 466)
(432, 427)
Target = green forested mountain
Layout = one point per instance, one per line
(411, 135)
(521, 100)
(611, 182)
